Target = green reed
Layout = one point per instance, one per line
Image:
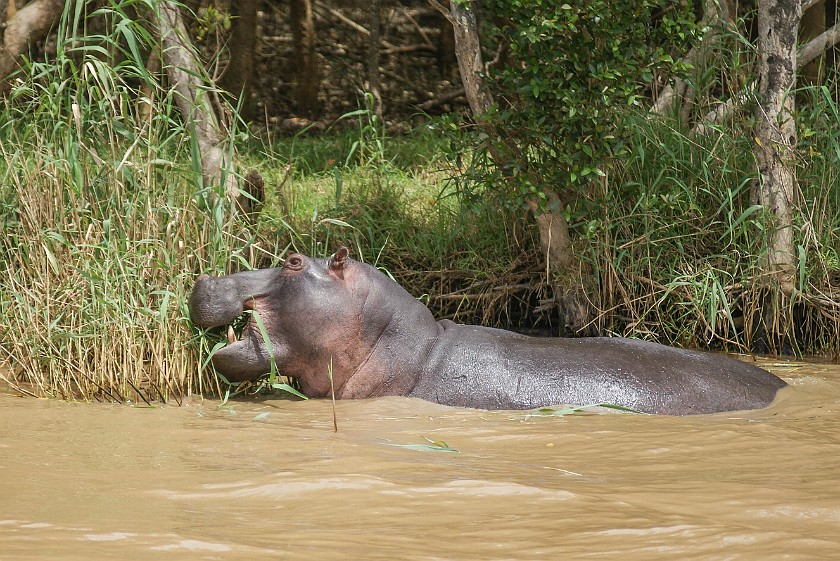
(104, 228)
(677, 255)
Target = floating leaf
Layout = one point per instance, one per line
(561, 412)
(433, 446)
(423, 447)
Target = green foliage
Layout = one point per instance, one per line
(432, 446)
(210, 21)
(575, 409)
(570, 73)
(677, 249)
(106, 224)
(670, 244)
(102, 231)
(369, 146)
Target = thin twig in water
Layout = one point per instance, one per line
(332, 394)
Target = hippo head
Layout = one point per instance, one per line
(323, 317)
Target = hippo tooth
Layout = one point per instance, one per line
(231, 334)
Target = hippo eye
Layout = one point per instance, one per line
(294, 262)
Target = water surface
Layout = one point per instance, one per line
(271, 480)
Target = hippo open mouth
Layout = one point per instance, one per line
(244, 357)
(219, 301)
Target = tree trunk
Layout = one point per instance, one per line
(445, 54)
(185, 75)
(237, 78)
(373, 76)
(307, 73)
(468, 52)
(554, 230)
(555, 238)
(23, 28)
(7, 11)
(715, 16)
(775, 135)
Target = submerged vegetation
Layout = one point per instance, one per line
(106, 224)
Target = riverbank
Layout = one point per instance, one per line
(100, 259)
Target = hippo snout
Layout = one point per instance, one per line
(214, 301)
(218, 301)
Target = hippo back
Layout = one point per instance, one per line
(495, 369)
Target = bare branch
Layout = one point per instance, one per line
(349, 22)
(806, 54)
(444, 11)
(444, 98)
(818, 46)
(724, 110)
(716, 14)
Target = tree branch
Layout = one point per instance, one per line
(818, 46)
(715, 15)
(468, 46)
(724, 110)
(806, 54)
(349, 22)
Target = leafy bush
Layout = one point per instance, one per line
(568, 74)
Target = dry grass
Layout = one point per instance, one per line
(95, 277)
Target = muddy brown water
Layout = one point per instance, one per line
(271, 480)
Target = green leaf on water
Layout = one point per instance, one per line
(262, 415)
(563, 411)
(433, 446)
(621, 408)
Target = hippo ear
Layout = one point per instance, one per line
(338, 261)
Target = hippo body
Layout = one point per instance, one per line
(341, 316)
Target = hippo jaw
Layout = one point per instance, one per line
(218, 301)
(245, 358)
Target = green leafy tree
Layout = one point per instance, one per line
(564, 79)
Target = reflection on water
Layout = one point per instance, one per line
(268, 480)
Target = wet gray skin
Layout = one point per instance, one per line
(341, 315)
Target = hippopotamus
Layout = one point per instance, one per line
(344, 328)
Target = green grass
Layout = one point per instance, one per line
(103, 233)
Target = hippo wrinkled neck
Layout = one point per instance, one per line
(401, 332)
